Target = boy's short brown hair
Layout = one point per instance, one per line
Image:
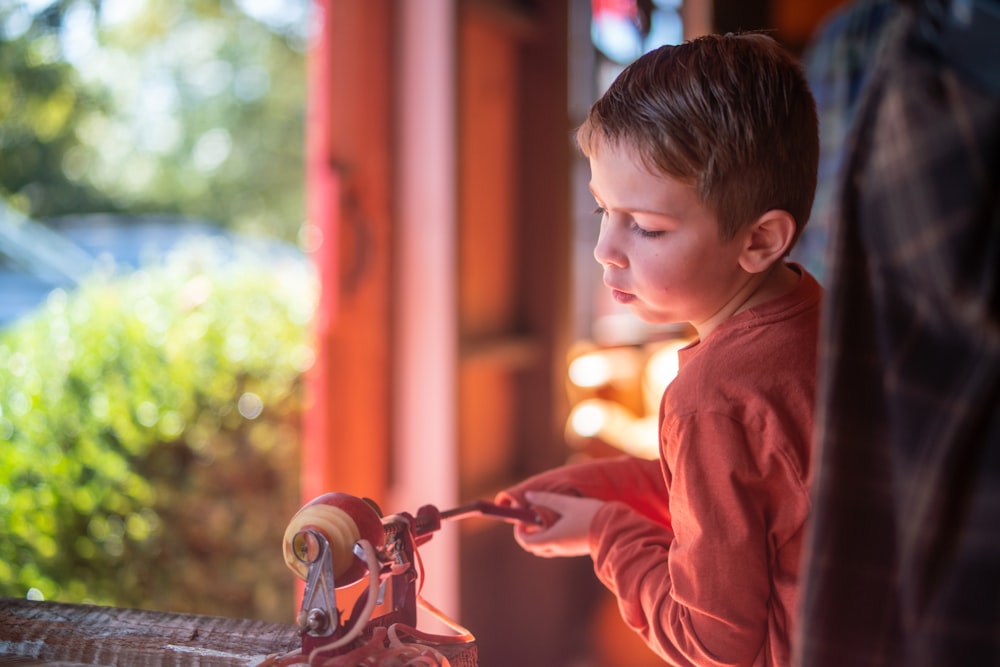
(730, 114)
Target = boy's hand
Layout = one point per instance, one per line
(568, 534)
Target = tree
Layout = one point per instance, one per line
(145, 461)
(192, 107)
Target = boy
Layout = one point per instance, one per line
(703, 165)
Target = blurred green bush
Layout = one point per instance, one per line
(149, 435)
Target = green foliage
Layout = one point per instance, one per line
(135, 469)
(194, 108)
(149, 436)
(41, 102)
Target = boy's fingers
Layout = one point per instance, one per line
(533, 539)
(546, 505)
(556, 501)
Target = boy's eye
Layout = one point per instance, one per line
(646, 233)
(633, 225)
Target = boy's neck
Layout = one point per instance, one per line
(776, 282)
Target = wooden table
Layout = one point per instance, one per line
(71, 635)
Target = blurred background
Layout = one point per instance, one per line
(256, 250)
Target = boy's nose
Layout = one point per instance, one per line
(606, 252)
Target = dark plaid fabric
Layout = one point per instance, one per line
(837, 64)
(903, 555)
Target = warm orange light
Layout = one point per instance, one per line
(605, 366)
(612, 423)
(660, 370)
(590, 370)
(637, 377)
(589, 417)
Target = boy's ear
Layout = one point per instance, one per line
(767, 240)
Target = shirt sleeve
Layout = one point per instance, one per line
(698, 592)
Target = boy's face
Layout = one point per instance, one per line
(659, 245)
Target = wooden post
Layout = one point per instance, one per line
(345, 432)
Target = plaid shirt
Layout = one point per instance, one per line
(903, 553)
(837, 64)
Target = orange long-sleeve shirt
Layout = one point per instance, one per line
(702, 547)
(718, 585)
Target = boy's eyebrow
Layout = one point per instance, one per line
(662, 214)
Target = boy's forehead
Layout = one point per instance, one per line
(638, 151)
(613, 158)
(620, 179)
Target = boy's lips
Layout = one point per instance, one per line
(622, 297)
